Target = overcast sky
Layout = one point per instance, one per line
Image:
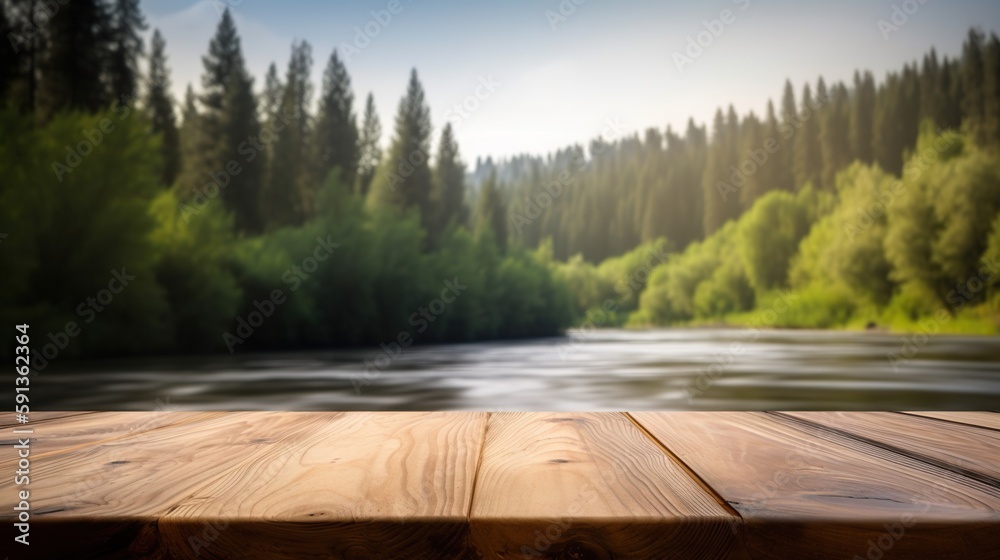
(563, 71)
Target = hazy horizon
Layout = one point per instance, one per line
(548, 69)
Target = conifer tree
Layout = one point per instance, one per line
(491, 213)
(807, 163)
(369, 147)
(448, 196)
(74, 62)
(404, 179)
(160, 107)
(125, 49)
(336, 135)
(862, 117)
(229, 120)
(290, 191)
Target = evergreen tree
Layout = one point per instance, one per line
(404, 180)
(718, 190)
(273, 93)
(834, 133)
(289, 193)
(807, 159)
(228, 121)
(190, 142)
(369, 147)
(336, 128)
(991, 90)
(73, 68)
(448, 196)
(862, 117)
(973, 82)
(787, 130)
(125, 48)
(491, 214)
(160, 107)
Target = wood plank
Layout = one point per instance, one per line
(264, 485)
(65, 433)
(365, 485)
(989, 420)
(589, 485)
(810, 493)
(967, 450)
(8, 419)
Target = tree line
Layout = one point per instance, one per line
(214, 211)
(685, 185)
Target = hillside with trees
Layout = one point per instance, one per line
(846, 204)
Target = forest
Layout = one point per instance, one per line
(248, 217)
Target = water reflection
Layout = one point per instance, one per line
(600, 370)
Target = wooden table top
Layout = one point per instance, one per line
(466, 485)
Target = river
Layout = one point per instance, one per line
(692, 369)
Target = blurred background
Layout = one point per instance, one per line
(528, 205)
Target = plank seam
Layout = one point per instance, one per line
(690, 472)
(945, 420)
(979, 477)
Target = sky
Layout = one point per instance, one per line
(533, 76)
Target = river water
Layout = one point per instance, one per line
(694, 369)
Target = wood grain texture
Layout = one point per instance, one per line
(967, 450)
(361, 485)
(8, 419)
(264, 485)
(989, 420)
(805, 492)
(589, 485)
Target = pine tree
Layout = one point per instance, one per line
(834, 133)
(717, 187)
(290, 191)
(973, 82)
(448, 196)
(73, 67)
(787, 131)
(491, 214)
(125, 48)
(862, 117)
(336, 135)
(272, 95)
(807, 164)
(404, 180)
(228, 121)
(160, 107)
(369, 147)
(991, 90)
